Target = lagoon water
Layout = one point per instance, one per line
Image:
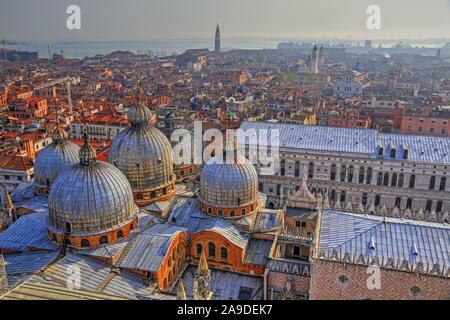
(79, 50)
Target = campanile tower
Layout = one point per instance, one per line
(217, 42)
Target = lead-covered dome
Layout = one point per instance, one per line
(53, 159)
(144, 155)
(93, 201)
(229, 189)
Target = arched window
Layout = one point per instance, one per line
(244, 212)
(166, 284)
(393, 153)
(297, 169)
(85, 243)
(333, 195)
(377, 200)
(439, 206)
(412, 181)
(311, 170)
(343, 196)
(211, 250)
(199, 249)
(442, 184)
(139, 196)
(386, 179)
(282, 167)
(405, 154)
(369, 176)
(223, 254)
(220, 213)
(394, 180)
(333, 172)
(432, 184)
(232, 213)
(209, 210)
(350, 174)
(401, 178)
(238, 201)
(380, 151)
(119, 234)
(104, 240)
(429, 205)
(380, 179)
(343, 173)
(361, 175)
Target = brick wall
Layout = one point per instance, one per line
(395, 285)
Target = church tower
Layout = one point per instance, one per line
(3, 276)
(181, 294)
(202, 280)
(217, 42)
(314, 61)
(7, 211)
(321, 57)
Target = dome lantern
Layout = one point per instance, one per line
(88, 154)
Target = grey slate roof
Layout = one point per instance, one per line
(266, 219)
(397, 238)
(361, 142)
(21, 266)
(29, 230)
(148, 249)
(187, 214)
(224, 228)
(257, 251)
(24, 191)
(94, 275)
(225, 285)
(105, 251)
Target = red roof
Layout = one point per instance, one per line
(16, 163)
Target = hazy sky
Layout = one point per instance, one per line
(186, 19)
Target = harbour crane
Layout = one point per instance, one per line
(67, 80)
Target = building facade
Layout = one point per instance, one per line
(361, 166)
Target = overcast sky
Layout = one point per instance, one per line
(188, 19)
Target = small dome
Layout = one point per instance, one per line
(55, 158)
(224, 185)
(144, 155)
(93, 197)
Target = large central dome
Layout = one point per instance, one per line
(92, 201)
(144, 155)
(229, 189)
(55, 158)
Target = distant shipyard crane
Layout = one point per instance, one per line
(4, 47)
(67, 80)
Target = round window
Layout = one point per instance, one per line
(415, 291)
(343, 280)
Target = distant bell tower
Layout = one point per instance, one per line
(314, 61)
(217, 42)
